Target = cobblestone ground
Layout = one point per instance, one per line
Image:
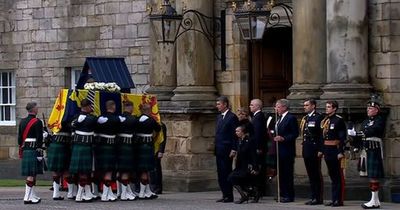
(11, 199)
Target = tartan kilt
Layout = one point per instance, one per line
(59, 156)
(105, 157)
(81, 159)
(375, 163)
(125, 158)
(30, 166)
(145, 157)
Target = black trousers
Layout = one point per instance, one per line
(156, 176)
(224, 168)
(313, 167)
(286, 170)
(335, 172)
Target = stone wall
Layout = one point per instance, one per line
(384, 51)
(40, 38)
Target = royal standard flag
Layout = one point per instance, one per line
(58, 111)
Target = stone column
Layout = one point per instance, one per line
(189, 163)
(162, 67)
(347, 52)
(309, 49)
(195, 59)
(162, 70)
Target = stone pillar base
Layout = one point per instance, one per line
(163, 93)
(195, 93)
(304, 91)
(353, 95)
(190, 182)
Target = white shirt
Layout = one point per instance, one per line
(224, 113)
(283, 116)
(256, 112)
(310, 114)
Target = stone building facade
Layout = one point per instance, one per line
(336, 49)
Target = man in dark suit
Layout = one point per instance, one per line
(225, 146)
(310, 128)
(259, 137)
(286, 131)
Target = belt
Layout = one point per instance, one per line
(106, 136)
(30, 140)
(125, 135)
(332, 142)
(373, 139)
(84, 133)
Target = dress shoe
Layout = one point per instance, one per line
(329, 203)
(220, 200)
(313, 202)
(227, 200)
(336, 204)
(370, 207)
(286, 200)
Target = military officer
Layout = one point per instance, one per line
(125, 150)
(81, 155)
(310, 128)
(105, 155)
(334, 135)
(372, 132)
(145, 129)
(30, 138)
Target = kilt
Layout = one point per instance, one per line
(375, 163)
(81, 159)
(105, 157)
(145, 157)
(125, 158)
(30, 166)
(59, 156)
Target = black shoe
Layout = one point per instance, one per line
(336, 204)
(242, 200)
(286, 200)
(220, 200)
(329, 203)
(313, 202)
(227, 200)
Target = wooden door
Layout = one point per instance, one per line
(271, 65)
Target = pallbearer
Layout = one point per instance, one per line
(105, 152)
(145, 129)
(81, 156)
(125, 150)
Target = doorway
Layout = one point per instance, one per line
(271, 66)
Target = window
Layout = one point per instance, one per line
(7, 98)
(75, 73)
(72, 76)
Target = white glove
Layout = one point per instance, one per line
(351, 132)
(102, 120)
(81, 118)
(122, 119)
(45, 134)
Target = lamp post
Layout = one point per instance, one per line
(168, 26)
(254, 17)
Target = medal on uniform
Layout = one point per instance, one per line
(311, 124)
(332, 126)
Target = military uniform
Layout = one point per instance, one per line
(373, 131)
(144, 134)
(105, 151)
(81, 154)
(59, 151)
(34, 138)
(310, 129)
(126, 152)
(334, 135)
